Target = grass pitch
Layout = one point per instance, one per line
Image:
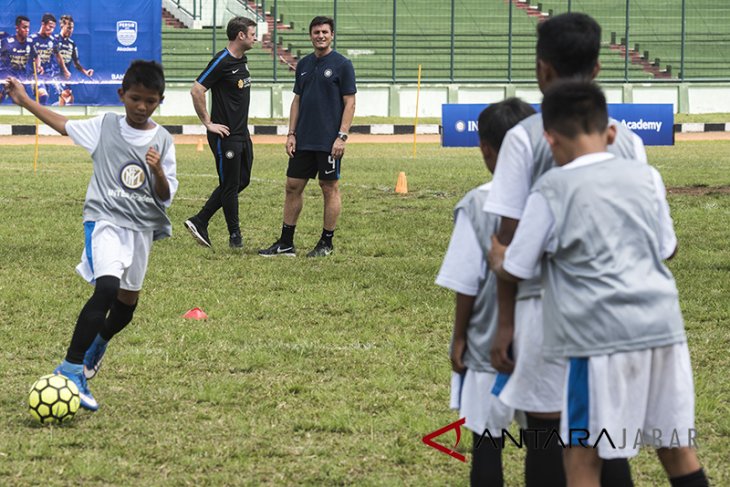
(313, 372)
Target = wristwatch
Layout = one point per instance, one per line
(342, 136)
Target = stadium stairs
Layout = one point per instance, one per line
(532, 10)
(282, 53)
(640, 59)
(172, 21)
(635, 56)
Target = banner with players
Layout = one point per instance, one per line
(78, 49)
(653, 122)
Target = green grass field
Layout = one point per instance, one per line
(315, 372)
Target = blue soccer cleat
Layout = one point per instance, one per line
(94, 356)
(87, 400)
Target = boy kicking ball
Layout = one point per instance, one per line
(133, 182)
(601, 227)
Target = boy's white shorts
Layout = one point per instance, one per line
(536, 384)
(636, 398)
(471, 396)
(110, 250)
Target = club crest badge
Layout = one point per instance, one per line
(126, 32)
(229, 154)
(327, 73)
(132, 175)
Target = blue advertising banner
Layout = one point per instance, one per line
(79, 49)
(654, 123)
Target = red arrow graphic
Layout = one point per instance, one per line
(428, 439)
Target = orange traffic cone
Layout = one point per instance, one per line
(199, 147)
(196, 314)
(402, 185)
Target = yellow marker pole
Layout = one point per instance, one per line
(415, 122)
(37, 122)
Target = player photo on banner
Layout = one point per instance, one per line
(77, 50)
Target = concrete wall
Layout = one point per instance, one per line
(273, 100)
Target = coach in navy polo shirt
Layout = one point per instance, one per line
(319, 119)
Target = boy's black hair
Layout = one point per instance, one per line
(21, 18)
(146, 73)
(498, 118)
(570, 43)
(321, 20)
(572, 108)
(48, 17)
(238, 24)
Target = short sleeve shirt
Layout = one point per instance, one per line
(321, 83)
(17, 56)
(45, 47)
(87, 133)
(68, 50)
(230, 82)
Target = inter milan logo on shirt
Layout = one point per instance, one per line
(327, 73)
(132, 175)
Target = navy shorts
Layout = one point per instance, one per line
(307, 164)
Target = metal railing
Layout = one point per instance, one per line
(492, 40)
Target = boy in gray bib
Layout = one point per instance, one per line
(132, 184)
(600, 225)
(465, 272)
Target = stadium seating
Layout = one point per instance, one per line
(480, 41)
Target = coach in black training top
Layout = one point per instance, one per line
(320, 117)
(228, 77)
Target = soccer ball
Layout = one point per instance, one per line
(53, 399)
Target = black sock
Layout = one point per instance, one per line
(486, 462)
(616, 473)
(287, 234)
(92, 318)
(694, 479)
(544, 459)
(327, 236)
(119, 316)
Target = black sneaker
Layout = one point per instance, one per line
(322, 249)
(278, 249)
(235, 241)
(198, 231)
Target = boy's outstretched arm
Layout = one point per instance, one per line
(16, 91)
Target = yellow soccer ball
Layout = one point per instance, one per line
(53, 399)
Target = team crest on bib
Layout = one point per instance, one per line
(132, 175)
(229, 154)
(126, 32)
(327, 73)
